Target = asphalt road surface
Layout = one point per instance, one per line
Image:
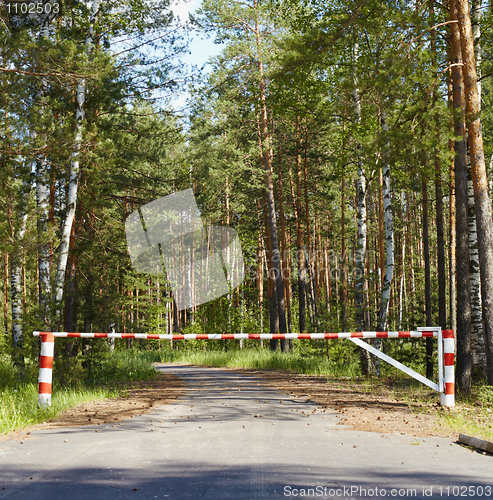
(230, 437)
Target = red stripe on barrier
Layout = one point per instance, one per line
(448, 334)
(205, 336)
(44, 388)
(46, 362)
(449, 358)
(449, 388)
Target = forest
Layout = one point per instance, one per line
(348, 142)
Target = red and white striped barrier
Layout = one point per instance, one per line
(248, 336)
(46, 368)
(447, 396)
(446, 348)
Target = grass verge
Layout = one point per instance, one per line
(262, 360)
(103, 378)
(19, 407)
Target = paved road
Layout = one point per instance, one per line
(230, 437)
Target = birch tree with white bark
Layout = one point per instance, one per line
(389, 243)
(477, 339)
(74, 169)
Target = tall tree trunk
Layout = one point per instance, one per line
(74, 173)
(260, 271)
(402, 284)
(6, 294)
(16, 295)
(269, 184)
(361, 200)
(381, 230)
(361, 214)
(343, 288)
(476, 35)
(42, 201)
(309, 255)
(477, 337)
(442, 278)
(464, 362)
(42, 195)
(481, 195)
(452, 234)
(389, 239)
(302, 272)
(389, 244)
(426, 253)
(70, 303)
(271, 285)
(284, 251)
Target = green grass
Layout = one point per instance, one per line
(473, 414)
(263, 360)
(101, 379)
(19, 406)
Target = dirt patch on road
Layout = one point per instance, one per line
(380, 407)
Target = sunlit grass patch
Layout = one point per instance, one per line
(19, 406)
(104, 378)
(262, 359)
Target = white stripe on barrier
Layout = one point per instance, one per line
(45, 375)
(449, 373)
(447, 400)
(44, 400)
(448, 345)
(47, 349)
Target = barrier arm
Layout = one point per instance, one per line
(446, 352)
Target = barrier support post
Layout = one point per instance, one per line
(46, 369)
(447, 397)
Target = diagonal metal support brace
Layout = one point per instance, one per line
(395, 363)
